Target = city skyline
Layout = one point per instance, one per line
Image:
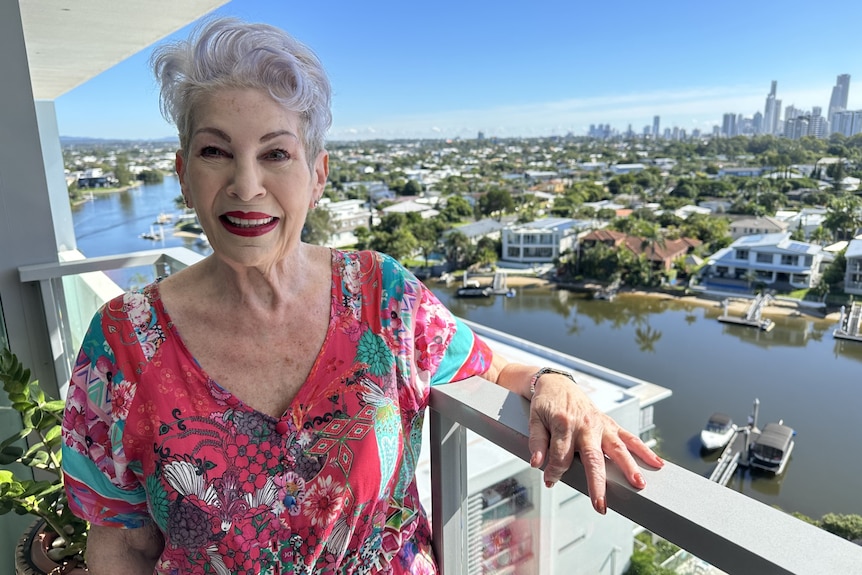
(455, 70)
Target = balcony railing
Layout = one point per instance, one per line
(731, 531)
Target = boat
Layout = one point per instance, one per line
(474, 291)
(717, 432)
(164, 218)
(153, 234)
(471, 288)
(771, 449)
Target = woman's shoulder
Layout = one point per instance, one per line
(374, 263)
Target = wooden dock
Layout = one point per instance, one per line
(849, 324)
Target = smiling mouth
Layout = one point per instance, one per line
(244, 223)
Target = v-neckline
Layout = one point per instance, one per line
(216, 390)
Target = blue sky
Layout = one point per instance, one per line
(452, 68)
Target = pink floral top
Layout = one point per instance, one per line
(329, 487)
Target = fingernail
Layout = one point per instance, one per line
(639, 480)
(600, 505)
(549, 484)
(534, 459)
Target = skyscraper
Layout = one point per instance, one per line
(840, 92)
(771, 111)
(655, 127)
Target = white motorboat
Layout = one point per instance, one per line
(718, 431)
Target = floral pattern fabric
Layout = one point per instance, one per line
(329, 487)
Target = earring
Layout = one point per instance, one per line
(316, 203)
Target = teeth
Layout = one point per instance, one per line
(248, 223)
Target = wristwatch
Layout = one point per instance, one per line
(543, 371)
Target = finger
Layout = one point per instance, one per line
(539, 439)
(593, 460)
(637, 447)
(619, 453)
(561, 447)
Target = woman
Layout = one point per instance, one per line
(260, 411)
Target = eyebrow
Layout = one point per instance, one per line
(265, 138)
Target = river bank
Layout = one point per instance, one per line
(735, 305)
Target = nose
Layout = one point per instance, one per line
(246, 182)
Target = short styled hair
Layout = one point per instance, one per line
(230, 53)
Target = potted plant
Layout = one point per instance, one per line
(57, 534)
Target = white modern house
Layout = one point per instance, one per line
(541, 241)
(774, 260)
(853, 273)
(346, 216)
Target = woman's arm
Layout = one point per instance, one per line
(112, 550)
(565, 421)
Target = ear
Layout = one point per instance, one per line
(180, 167)
(319, 175)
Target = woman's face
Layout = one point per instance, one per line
(247, 177)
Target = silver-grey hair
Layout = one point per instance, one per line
(230, 53)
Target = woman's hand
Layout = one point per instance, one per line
(564, 421)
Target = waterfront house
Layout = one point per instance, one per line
(541, 241)
(346, 216)
(661, 255)
(773, 260)
(45, 298)
(853, 272)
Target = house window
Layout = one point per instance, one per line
(763, 275)
(799, 279)
(764, 258)
(721, 271)
(742, 254)
(789, 260)
(808, 261)
(514, 252)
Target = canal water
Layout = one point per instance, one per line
(798, 371)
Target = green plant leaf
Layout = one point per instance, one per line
(10, 454)
(53, 433)
(15, 438)
(36, 460)
(57, 406)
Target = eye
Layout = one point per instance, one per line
(211, 152)
(277, 155)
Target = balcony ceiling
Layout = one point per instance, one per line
(71, 41)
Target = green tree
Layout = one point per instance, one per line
(319, 227)
(151, 177)
(496, 201)
(121, 170)
(456, 209)
(412, 188)
(846, 526)
(487, 251)
(399, 243)
(842, 216)
(833, 275)
(457, 247)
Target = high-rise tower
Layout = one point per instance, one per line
(655, 126)
(771, 111)
(840, 92)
